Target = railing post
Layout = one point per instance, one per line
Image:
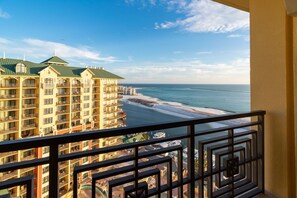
(53, 171)
(191, 160)
(261, 147)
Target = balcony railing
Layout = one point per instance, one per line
(225, 160)
(8, 108)
(30, 105)
(9, 97)
(63, 85)
(27, 85)
(30, 95)
(9, 86)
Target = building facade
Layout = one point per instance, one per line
(52, 98)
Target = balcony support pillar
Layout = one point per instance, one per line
(272, 89)
(53, 171)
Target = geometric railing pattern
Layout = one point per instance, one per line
(224, 160)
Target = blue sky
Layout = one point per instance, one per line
(145, 41)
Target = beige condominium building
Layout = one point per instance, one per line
(52, 98)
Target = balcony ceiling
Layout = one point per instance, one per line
(238, 4)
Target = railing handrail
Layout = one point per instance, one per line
(82, 136)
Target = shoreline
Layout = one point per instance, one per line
(172, 108)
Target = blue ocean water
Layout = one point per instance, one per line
(232, 98)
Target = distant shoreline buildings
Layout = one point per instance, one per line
(52, 98)
(127, 90)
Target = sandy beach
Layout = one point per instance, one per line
(172, 108)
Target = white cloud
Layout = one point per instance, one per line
(235, 36)
(203, 53)
(36, 48)
(4, 14)
(206, 16)
(186, 71)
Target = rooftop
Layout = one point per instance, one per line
(7, 68)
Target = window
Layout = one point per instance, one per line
(86, 113)
(87, 82)
(86, 105)
(86, 97)
(85, 175)
(47, 130)
(45, 150)
(45, 169)
(48, 111)
(84, 159)
(20, 68)
(86, 90)
(45, 179)
(49, 81)
(47, 120)
(48, 92)
(45, 189)
(48, 101)
(85, 143)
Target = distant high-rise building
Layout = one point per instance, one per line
(52, 98)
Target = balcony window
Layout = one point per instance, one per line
(45, 189)
(48, 111)
(47, 120)
(45, 169)
(45, 150)
(86, 105)
(27, 153)
(20, 68)
(86, 90)
(48, 130)
(49, 81)
(86, 113)
(48, 92)
(45, 179)
(86, 97)
(48, 101)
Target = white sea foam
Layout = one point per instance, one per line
(173, 108)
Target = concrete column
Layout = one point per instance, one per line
(272, 89)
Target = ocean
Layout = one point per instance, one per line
(231, 98)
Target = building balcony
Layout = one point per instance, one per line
(9, 97)
(7, 154)
(29, 85)
(29, 116)
(27, 106)
(9, 130)
(30, 95)
(75, 101)
(62, 112)
(62, 94)
(76, 93)
(75, 118)
(76, 85)
(62, 121)
(28, 126)
(63, 103)
(224, 160)
(9, 108)
(63, 85)
(96, 99)
(9, 86)
(8, 119)
(8, 175)
(76, 110)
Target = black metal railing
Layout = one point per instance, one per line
(224, 160)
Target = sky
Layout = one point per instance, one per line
(144, 41)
